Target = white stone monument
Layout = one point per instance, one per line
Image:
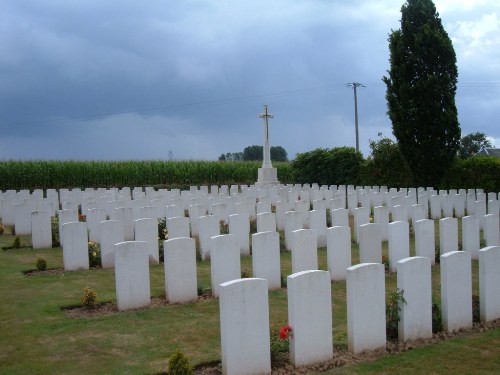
(267, 175)
(244, 327)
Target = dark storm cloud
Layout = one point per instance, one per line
(191, 76)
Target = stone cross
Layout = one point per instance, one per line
(266, 162)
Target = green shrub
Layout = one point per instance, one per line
(472, 173)
(89, 299)
(1, 229)
(41, 264)
(245, 273)
(385, 166)
(437, 322)
(94, 254)
(392, 309)
(16, 244)
(224, 227)
(253, 225)
(476, 316)
(385, 262)
(280, 341)
(340, 165)
(178, 364)
(54, 226)
(162, 236)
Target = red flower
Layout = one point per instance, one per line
(285, 332)
(82, 217)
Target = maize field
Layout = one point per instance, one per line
(166, 174)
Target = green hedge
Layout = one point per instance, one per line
(337, 166)
(475, 172)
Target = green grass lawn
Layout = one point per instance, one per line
(38, 338)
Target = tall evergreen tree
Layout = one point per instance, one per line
(421, 91)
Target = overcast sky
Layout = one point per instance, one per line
(123, 79)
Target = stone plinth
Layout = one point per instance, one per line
(267, 176)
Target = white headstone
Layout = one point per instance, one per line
(22, 217)
(94, 217)
(180, 270)
(266, 258)
(244, 327)
(338, 251)
(366, 323)
(399, 243)
(317, 223)
(41, 230)
(225, 261)
(147, 230)
(381, 217)
(304, 250)
(293, 221)
(361, 217)
(340, 217)
(489, 280)
(266, 222)
(75, 248)
(177, 227)
(470, 236)
(370, 244)
(492, 230)
(111, 232)
(132, 275)
(125, 214)
(310, 316)
(456, 290)
(425, 245)
(208, 226)
(239, 225)
(414, 279)
(448, 235)
(174, 211)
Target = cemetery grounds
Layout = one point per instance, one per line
(38, 335)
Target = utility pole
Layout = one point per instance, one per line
(355, 85)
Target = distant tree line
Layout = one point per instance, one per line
(255, 153)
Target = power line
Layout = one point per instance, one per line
(222, 101)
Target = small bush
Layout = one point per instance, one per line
(385, 262)
(253, 225)
(280, 342)
(162, 236)
(245, 273)
(41, 264)
(392, 309)
(17, 243)
(1, 229)
(437, 254)
(283, 281)
(437, 323)
(54, 225)
(94, 254)
(89, 299)
(476, 316)
(224, 227)
(162, 229)
(178, 364)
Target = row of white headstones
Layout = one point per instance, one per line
(309, 290)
